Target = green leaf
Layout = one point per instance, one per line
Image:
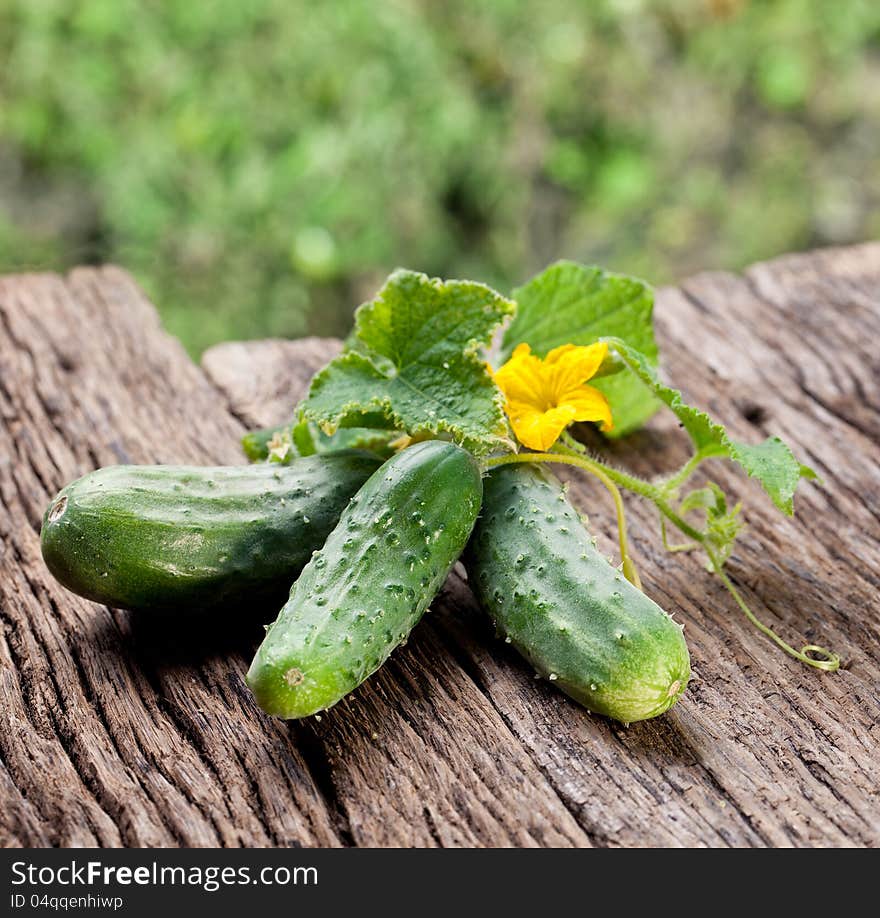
(287, 442)
(303, 438)
(415, 364)
(771, 462)
(376, 441)
(255, 443)
(569, 303)
(723, 525)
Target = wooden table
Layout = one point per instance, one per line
(119, 731)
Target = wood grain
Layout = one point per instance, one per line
(118, 732)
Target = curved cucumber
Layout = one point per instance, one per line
(177, 538)
(579, 622)
(363, 592)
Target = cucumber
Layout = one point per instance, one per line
(534, 568)
(187, 539)
(364, 591)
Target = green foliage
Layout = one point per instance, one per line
(772, 462)
(261, 166)
(287, 442)
(569, 303)
(417, 364)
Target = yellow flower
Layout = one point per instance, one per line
(545, 396)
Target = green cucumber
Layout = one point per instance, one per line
(364, 591)
(188, 539)
(535, 569)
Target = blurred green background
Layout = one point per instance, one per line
(261, 166)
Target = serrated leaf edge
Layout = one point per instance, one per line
(728, 446)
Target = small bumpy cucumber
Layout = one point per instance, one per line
(535, 570)
(364, 591)
(188, 539)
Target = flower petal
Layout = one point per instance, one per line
(536, 429)
(589, 404)
(559, 352)
(571, 366)
(521, 379)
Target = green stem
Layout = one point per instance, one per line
(687, 546)
(830, 661)
(677, 520)
(676, 480)
(635, 484)
(582, 462)
(624, 479)
(575, 454)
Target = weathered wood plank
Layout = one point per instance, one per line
(103, 741)
(115, 730)
(761, 751)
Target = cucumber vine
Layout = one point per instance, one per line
(716, 538)
(415, 368)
